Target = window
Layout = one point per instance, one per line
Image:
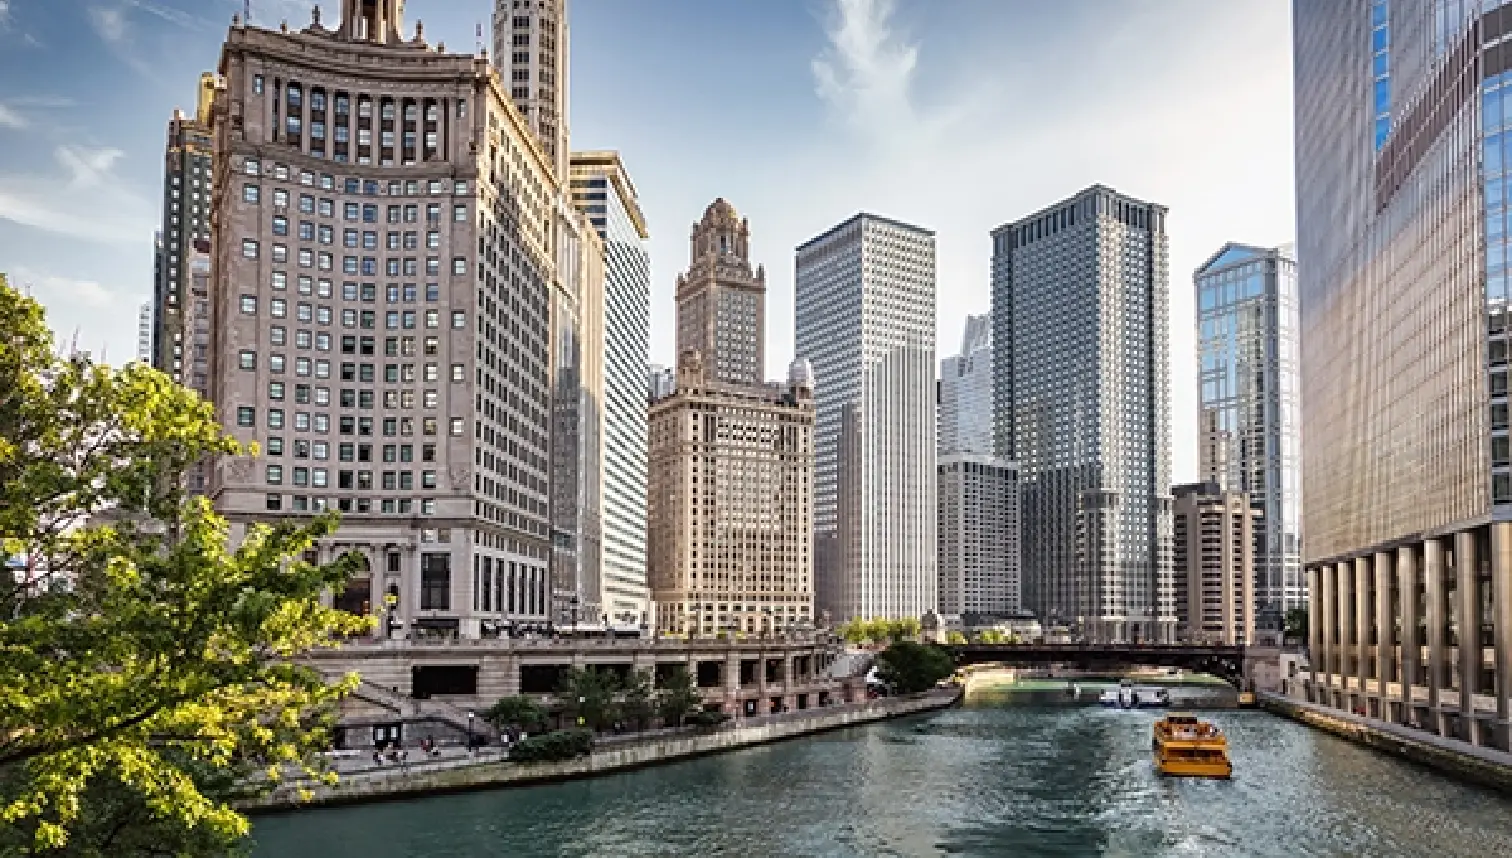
(276, 390)
(280, 225)
(456, 426)
(459, 213)
(458, 372)
(249, 248)
(257, 89)
(248, 305)
(278, 335)
(427, 479)
(275, 475)
(250, 194)
(280, 281)
(246, 416)
(459, 265)
(432, 399)
(275, 418)
(275, 363)
(277, 307)
(459, 319)
(251, 167)
(432, 319)
(435, 582)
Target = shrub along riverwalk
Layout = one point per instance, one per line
(563, 757)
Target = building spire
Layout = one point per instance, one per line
(380, 22)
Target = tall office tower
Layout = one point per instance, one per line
(1402, 280)
(1082, 400)
(604, 194)
(144, 333)
(382, 276)
(530, 41)
(865, 317)
(602, 191)
(965, 423)
(577, 404)
(187, 189)
(721, 299)
(980, 575)
(1214, 558)
(1246, 299)
(198, 330)
(730, 539)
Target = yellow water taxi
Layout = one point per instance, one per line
(1187, 747)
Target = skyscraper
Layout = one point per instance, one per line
(1213, 554)
(721, 299)
(865, 319)
(980, 575)
(1402, 154)
(966, 414)
(1246, 299)
(1082, 400)
(530, 41)
(730, 539)
(188, 189)
(602, 191)
(144, 333)
(382, 309)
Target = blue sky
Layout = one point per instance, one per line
(957, 115)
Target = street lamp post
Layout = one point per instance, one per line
(470, 745)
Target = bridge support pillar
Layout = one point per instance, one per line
(1385, 637)
(1347, 651)
(1328, 619)
(1467, 588)
(1362, 612)
(1314, 632)
(1410, 650)
(1433, 580)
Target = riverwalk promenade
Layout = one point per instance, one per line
(1478, 764)
(457, 769)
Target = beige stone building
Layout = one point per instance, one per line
(1214, 559)
(384, 261)
(731, 463)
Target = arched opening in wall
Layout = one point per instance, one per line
(357, 598)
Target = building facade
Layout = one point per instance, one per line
(1214, 556)
(661, 381)
(865, 320)
(382, 275)
(188, 185)
(1082, 402)
(144, 333)
(980, 575)
(730, 540)
(730, 510)
(530, 42)
(1246, 299)
(721, 299)
(966, 410)
(602, 191)
(1402, 152)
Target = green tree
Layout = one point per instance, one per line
(678, 696)
(910, 667)
(1296, 623)
(519, 712)
(144, 662)
(638, 699)
(587, 694)
(955, 638)
(853, 632)
(905, 629)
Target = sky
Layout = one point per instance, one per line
(956, 115)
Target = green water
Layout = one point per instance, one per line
(989, 781)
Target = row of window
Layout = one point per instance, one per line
(346, 451)
(302, 503)
(278, 308)
(319, 478)
(246, 417)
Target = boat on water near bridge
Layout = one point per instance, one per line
(1128, 696)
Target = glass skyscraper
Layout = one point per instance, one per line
(1403, 140)
(602, 191)
(965, 424)
(1247, 354)
(865, 320)
(1079, 339)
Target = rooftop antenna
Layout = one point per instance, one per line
(480, 38)
(247, 11)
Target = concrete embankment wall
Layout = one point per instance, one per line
(394, 783)
(1485, 766)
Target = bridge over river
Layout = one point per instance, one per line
(1235, 664)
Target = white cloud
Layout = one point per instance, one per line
(867, 69)
(55, 290)
(86, 201)
(4, 12)
(109, 23)
(9, 118)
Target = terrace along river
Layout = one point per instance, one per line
(980, 780)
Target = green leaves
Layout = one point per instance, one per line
(144, 660)
(913, 667)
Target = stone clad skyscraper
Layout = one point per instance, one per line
(730, 499)
(1403, 153)
(865, 319)
(188, 186)
(382, 275)
(1079, 294)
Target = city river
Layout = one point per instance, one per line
(980, 780)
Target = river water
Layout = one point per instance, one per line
(979, 780)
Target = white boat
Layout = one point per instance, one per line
(1126, 696)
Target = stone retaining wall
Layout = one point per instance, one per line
(1485, 766)
(394, 783)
